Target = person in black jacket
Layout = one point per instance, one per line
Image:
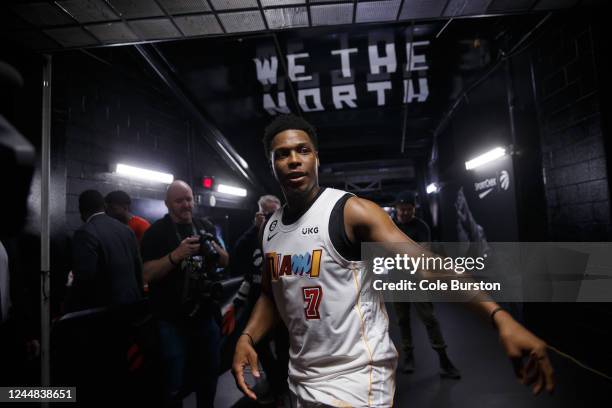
(107, 268)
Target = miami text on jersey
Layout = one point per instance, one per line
(306, 264)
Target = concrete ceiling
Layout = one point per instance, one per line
(52, 25)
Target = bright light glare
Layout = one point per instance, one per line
(143, 174)
(485, 158)
(432, 188)
(242, 162)
(235, 191)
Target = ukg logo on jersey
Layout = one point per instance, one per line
(310, 230)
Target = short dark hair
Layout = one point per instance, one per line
(91, 201)
(118, 197)
(286, 122)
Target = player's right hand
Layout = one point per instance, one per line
(244, 356)
(518, 342)
(188, 247)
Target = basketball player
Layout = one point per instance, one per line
(340, 350)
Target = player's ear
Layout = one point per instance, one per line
(271, 166)
(270, 162)
(317, 156)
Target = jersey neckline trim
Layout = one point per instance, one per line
(290, 227)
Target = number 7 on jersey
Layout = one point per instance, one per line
(312, 297)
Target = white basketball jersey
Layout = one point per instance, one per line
(340, 353)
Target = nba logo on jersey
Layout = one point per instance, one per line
(306, 264)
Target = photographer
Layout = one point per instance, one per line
(180, 257)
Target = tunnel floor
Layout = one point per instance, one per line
(487, 376)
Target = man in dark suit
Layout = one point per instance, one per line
(107, 268)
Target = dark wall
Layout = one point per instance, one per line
(572, 141)
(105, 114)
(552, 113)
(569, 75)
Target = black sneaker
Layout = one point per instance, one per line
(447, 369)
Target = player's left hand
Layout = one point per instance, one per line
(520, 344)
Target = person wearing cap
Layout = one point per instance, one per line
(118, 206)
(417, 229)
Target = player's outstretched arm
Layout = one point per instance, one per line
(367, 222)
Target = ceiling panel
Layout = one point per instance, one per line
(466, 7)
(198, 25)
(413, 9)
(331, 14)
(154, 29)
(233, 4)
(242, 21)
(137, 8)
(88, 11)
(184, 6)
(117, 32)
(269, 3)
(42, 14)
(372, 11)
(286, 17)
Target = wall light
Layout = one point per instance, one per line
(208, 182)
(235, 191)
(143, 174)
(485, 158)
(432, 188)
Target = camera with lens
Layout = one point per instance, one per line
(207, 249)
(202, 286)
